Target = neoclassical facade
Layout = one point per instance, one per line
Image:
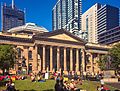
(54, 51)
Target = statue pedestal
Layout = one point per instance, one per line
(111, 80)
(109, 76)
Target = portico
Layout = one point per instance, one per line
(60, 54)
(59, 58)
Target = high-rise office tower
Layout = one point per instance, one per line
(66, 14)
(108, 25)
(107, 18)
(110, 36)
(89, 23)
(11, 17)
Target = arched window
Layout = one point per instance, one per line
(30, 55)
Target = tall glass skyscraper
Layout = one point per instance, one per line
(11, 17)
(66, 14)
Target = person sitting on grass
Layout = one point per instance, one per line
(73, 86)
(105, 88)
(23, 78)
(33, 78)
(66, 85)
(98, 88)
(38, 78)
(79, 81)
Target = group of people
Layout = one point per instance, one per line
(41, 77)
(62, 85)
(102, 87)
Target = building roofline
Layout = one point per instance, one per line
(47, 34)
(107, 5)
(55, 4)
(91, 7)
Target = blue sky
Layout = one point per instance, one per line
(40, 11)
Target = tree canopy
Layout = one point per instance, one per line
(7, 56)
(102, 62)
(114, 53)
(111, 60)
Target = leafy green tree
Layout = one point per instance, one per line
(114, 53)
(7, 57)
(102, 62)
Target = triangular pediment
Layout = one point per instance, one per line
(61, 35)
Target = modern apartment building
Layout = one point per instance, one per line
(107, 18)
(11, 17)
(89, 23)
(66, 14)
(110, 36)
(98, 19)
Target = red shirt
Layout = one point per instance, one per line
(106, 88)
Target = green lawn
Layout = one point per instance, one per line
(27, 85)
(91, 86)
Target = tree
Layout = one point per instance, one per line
(7, 57)
(114, 53)
(102, 62)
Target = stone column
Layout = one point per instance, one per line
(35, 58)
(83, 59)
(43, 58)
(98, 58)
(91, 61)
(39, 61)
(26, 50)
(77, 60)
(58, 58)
(71, 59)
(65, 63)
(51, 59)
(39, 65)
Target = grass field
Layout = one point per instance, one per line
(27, 85)
(92, 86)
